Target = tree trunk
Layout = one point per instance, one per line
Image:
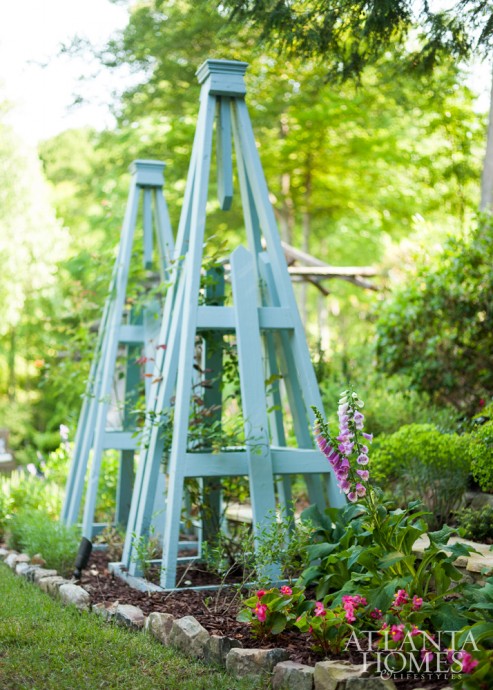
(286, 214)
(306, 224)
(11, 367)
(486, 205)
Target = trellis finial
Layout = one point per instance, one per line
(148, 173)
(225, 77)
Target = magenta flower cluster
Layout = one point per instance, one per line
(349, 445)
(350, 604)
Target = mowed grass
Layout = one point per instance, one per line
(45, 646)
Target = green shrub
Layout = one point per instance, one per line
(35, 532)
(56, 465)
(476, 524)
(390, 401)
(4, 513)
(21, 491)
(392, 404)
(437, 328)
(420, 462)
(481, 449)
(108, 479)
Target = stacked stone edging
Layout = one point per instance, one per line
(190, 637)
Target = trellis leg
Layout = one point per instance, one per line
(186, 355)
(151, 446)
(245, 296)
(147, 224)
(84, 434)
(109, 364)
(164, 234)
(297, 395)
(224, 154)
(274, 401)
(126, 466)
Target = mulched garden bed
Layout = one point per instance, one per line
(215, 610)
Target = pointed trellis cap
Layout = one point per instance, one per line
(223, 77)
(148, 173)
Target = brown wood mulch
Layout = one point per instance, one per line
(215, 610)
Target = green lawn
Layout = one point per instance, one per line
(44, 646)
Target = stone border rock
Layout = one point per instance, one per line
(188, 635)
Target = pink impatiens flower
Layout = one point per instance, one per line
(376, 614)
(287, 591)
(426, 655)
(350, 604)
(397, 632)
(260, 593)
(417, 603)
(261, 612)
(468, 664)
(319, 609)
(401, 597)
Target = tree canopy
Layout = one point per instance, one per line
(353, 170)
(350, 34)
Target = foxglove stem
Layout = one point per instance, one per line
(347, 453)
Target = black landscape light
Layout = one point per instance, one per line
(83, 555)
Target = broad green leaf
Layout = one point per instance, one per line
(316, 551)
(244, 616)
(447, 617)
(480, 631)
(278, 623)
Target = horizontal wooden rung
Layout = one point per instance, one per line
(223, 318)
(120, 440)
(131, 334)
(235, 463)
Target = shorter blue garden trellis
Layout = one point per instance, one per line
(137, 334)
(270, 340)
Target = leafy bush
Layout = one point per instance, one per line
(481, 449)
(36, 532)
(108, 480)
(55, 467)
(418, 461)
(438, 329)
(113, 537)
(393, 405)
(284, 543)
(476, 524)
(390, 400)
(21, 491)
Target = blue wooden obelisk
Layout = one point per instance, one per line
(137, 335)
(271, 343)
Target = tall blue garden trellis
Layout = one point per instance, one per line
(269, 334)
(138, 334)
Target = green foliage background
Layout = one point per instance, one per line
(358, 174)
